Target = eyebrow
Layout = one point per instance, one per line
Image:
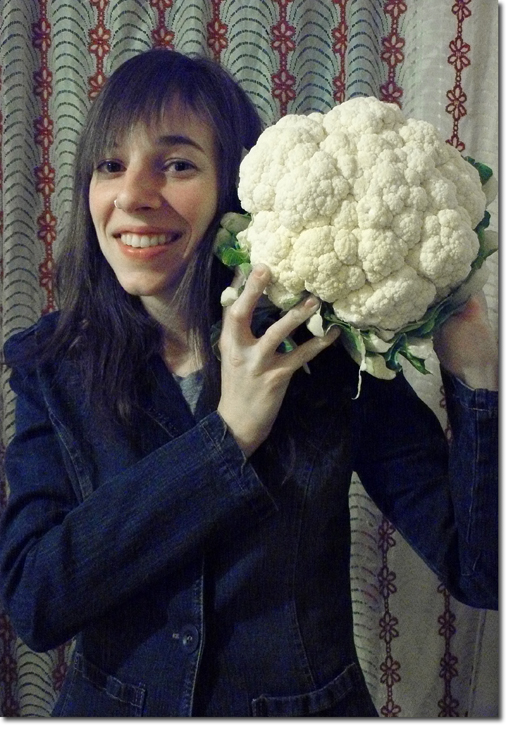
(179, 140)
(172, 140)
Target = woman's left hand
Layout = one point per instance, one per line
(467, 347)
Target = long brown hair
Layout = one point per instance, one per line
(92, 304)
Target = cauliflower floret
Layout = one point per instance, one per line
(347, 215)
(381, 253)
(373, 213)
(294, 142)
(468, 191)
(421, 135)
(344, 152)
(408, 226)
(310, 192)
(446, 252)
(388, 304)
(345, 244)
(364, 208)
(314, 258)
(271, 244)
(442, 193)
(362, 115)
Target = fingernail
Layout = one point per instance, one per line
(311, 302)
(259, 270)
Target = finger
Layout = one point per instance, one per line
(231, 293)
(310, 349)
(238, 279)
(242, 309)
(284, 327)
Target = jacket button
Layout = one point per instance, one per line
(189, 636)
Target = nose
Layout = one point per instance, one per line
(140, 190)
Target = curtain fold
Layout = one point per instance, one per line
(423, 654)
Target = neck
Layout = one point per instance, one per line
(180, 358)
(179, 353)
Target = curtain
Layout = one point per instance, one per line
(423, 653)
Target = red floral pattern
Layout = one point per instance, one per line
(95, 83)
(390, 669)
(456, 106)
(388, 623)
(46, 223)
(99, 41)
(43, 128)
(448, 665)
(99, 47)
(448, 705)
(339, 88)
(217, 31)
(43, 137)
(461, 10)
(283, 38)
(161, 35)
(283, 88)
(395, 8)
(41, 34)
(161, 5)
(459, 59)
(339, 48)
(43, 80)
(386, 581)
(390, 709)
(283, 42)
(393, 51)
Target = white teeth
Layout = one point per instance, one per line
(146, 240)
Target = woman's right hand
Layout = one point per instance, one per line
(254, 375)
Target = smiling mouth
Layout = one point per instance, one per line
(149, 240)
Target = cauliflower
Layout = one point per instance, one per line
(373, 213)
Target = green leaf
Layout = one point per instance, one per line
(233, 257)
(234, 222)
(485, 172)
(245, 268)
(416, 361)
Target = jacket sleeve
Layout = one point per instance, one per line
(65, 562)
(441, 495)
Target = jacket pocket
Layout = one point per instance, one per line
(345, 696)
(90, 692)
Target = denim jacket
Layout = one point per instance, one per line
(200, 583)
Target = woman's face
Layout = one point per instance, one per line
(163, 178)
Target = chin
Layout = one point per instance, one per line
(141, 290)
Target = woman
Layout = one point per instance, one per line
(188, 521)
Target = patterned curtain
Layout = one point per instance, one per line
(423, 653)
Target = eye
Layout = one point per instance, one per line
(109, 166)
(180, 166)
